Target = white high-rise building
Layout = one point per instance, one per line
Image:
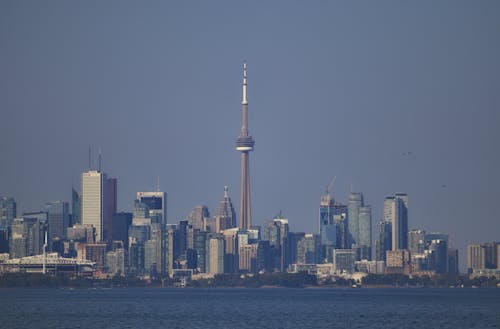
(94, 201)
(215, 264)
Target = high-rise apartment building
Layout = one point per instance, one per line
(476, 257)
(355, 201)
(396, 212)
(365, 233)
(94, 201)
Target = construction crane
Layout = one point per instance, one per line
(329, 187)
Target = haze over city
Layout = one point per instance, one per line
(388, 97)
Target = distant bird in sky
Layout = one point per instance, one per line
(407, 153)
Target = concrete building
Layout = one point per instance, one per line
(245, 144)
(94, 201)
(215, 255)
(476, 257)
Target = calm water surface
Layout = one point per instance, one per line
(250, 308)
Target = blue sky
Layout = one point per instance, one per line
(336, 88)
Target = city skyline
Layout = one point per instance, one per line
(386, 97)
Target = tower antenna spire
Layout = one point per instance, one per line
(245, 144)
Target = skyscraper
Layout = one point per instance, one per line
(157, 205)
(396, 212)
(226, 216)
(245, 144)
(327, 227)
(355, 201)
(76, 207)
(94, 200)
(111, 205)
(58, 217)
(365, 232)
(7, 211)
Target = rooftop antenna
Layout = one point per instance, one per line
(100, 158)
(90, 158)
(158, 184)
(329, 187)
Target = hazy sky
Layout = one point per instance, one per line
(336, 88)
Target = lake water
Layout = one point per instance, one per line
(250, 308)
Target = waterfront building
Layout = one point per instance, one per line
(397, 261)
(94, 201)
(245, 144)
(115, 262)
(344, 261)
(50, 263)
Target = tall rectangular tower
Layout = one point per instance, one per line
(396, 212)
(94, 200)
(244, 144)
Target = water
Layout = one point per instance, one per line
(250, 308)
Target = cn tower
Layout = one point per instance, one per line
(245, 144)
